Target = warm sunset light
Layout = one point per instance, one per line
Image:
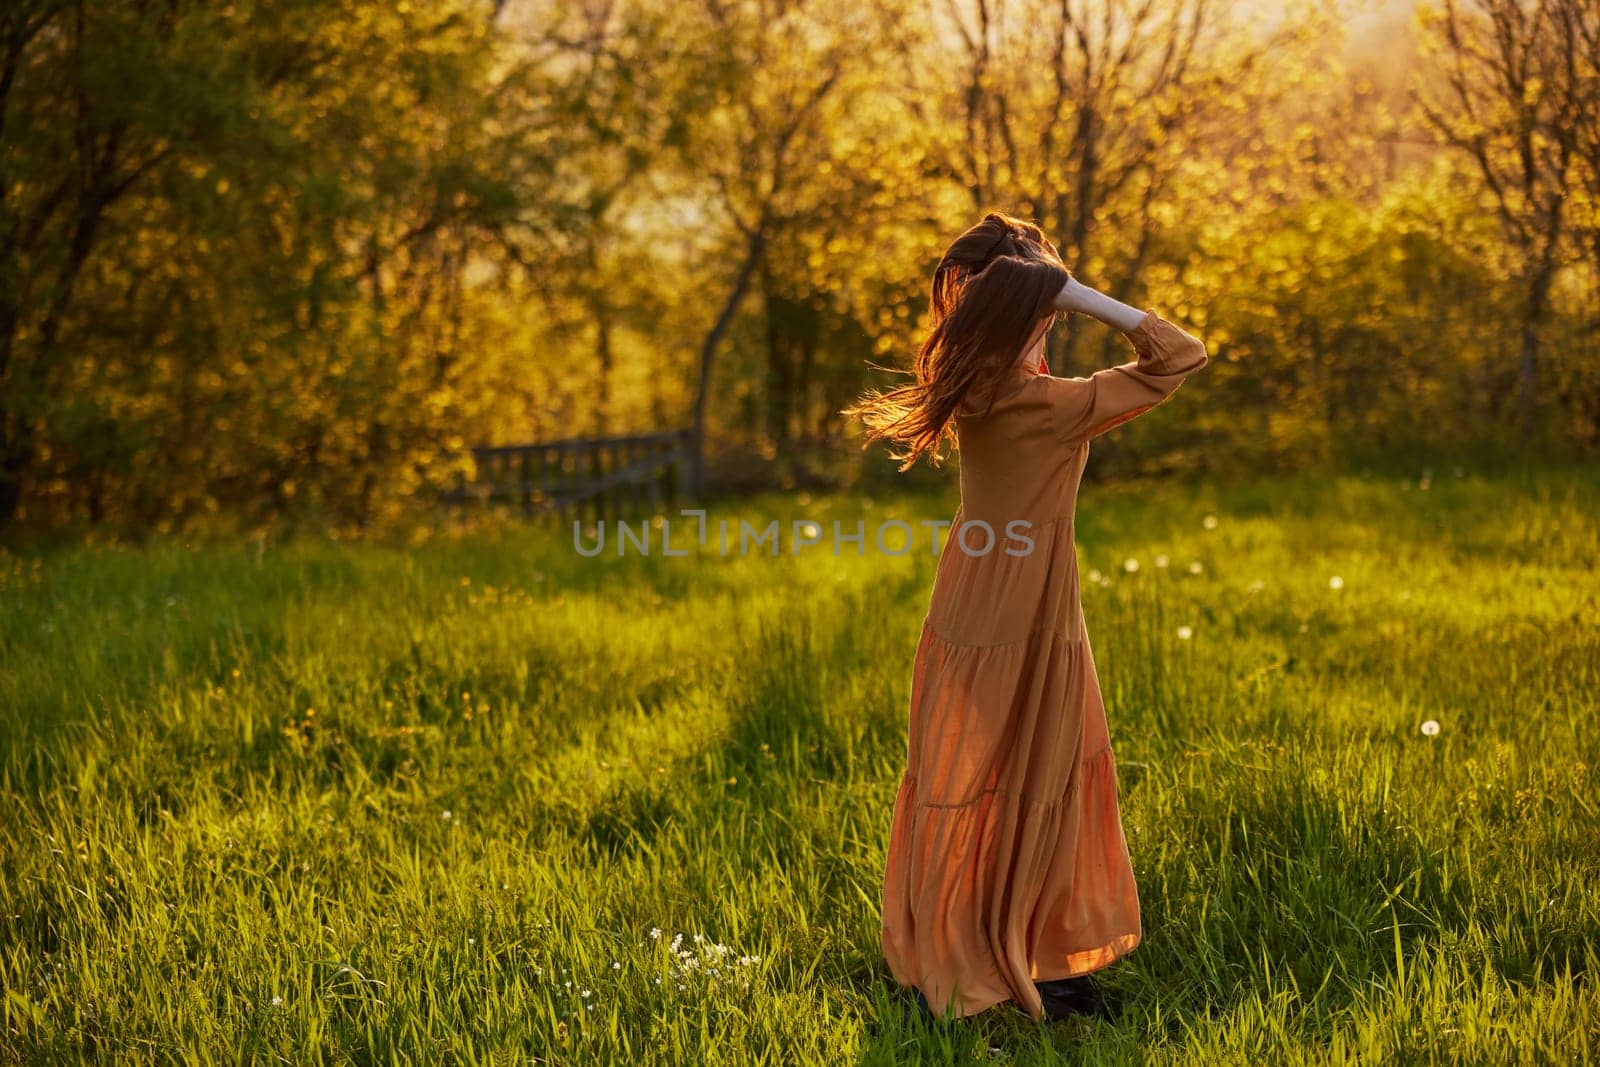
(761, 532)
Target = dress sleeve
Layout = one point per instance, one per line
(1086, 407)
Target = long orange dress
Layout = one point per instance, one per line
(1006, 861)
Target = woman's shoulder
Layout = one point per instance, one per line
(1016, 394)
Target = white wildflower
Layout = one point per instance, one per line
(1430, 728)
(1130, 565)
(1336, 582)
(1161, 561)
(1195, 567)
(1209, 522)
(1184, 633)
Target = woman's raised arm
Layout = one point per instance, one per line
(1075, 296)
(1086, 407)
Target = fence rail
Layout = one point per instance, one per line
(598, 476)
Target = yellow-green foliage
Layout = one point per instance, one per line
(279, 262)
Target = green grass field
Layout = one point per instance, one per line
(489, 801)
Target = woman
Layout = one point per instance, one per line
(1008, 876)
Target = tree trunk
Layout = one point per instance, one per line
(708, 351)
(602, 397)
(780, 371)
(1528, 363)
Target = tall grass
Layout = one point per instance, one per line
(489, 800)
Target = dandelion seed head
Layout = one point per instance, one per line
(1161, 561)
(1130, 565)
(1430, 728)
(1196, 567)
(1336, 582)
(1209, 522)
(1184, 633)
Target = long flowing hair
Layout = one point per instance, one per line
(991, 289)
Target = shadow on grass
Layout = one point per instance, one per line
(1270, 894)
(779, 737)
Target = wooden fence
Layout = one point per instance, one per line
(602, 477)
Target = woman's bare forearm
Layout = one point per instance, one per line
(1076, 296)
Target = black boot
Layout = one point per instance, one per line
(1068, 998)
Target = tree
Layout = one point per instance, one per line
(1081, 115)
(1512, 100)
(238, 251)
(772, 70)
